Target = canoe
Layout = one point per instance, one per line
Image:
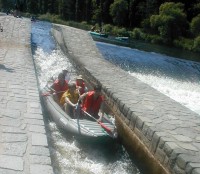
(93, 33)
(83, 127)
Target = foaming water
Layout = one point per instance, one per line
(186, 93)
(176, 78)
(75, 157)
(69, 155)
(50, 64)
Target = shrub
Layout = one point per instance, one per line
(155, 39)
(122, 32)
(82, 25)
(108, 28)
(197, 44)
(146, 25)
(184, 43)
(195, 25)
(137, 34)
(51, 18)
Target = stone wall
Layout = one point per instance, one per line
(163, 135)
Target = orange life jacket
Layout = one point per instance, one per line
(92, 105)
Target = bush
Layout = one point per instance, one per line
(195, 25)
(108, 28)
(197, 44)
(82, 25)
(184, 43)
(52, 18)
(57, 19)
(146, 25)
(155, 39)
(137, 34)
(122, 32)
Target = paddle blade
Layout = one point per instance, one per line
(105, 127)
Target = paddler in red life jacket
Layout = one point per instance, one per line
(92, 102)
(59, 86)
(80, 85)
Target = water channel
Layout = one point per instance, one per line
(69, 155)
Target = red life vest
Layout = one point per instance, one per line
(92, 105)
(57, 87)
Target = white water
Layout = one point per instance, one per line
(69, 155)
(176, 78)
(186, 93)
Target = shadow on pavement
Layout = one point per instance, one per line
(5, 68)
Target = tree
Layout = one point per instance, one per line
(32, 6)
(195, 25)
(119, 12)
(171, 21)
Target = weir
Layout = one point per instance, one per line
(163, 135)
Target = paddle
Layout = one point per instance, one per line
(101, 124)
(77, 114)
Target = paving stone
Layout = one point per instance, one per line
(37, 129)
(34, 104)
(10, 122)
(182, 138)
(9, 137)
(190, 166)
(197, 145)
(16, 149)
(188, 146)
(40, 169)
(34, 111)
(184, 159)
(39, 150)
(17, 105)
(35, 122)
(11, 162)
(7, 171)
(39, 140)
(33, 116)
(43, 160)
(14, 130)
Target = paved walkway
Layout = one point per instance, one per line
(23, 141)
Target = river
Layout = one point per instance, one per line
(69, 155)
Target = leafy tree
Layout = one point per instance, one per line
(171, 22)
(195, 9)
(106, 11)
(195, 25)
(119, 12)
